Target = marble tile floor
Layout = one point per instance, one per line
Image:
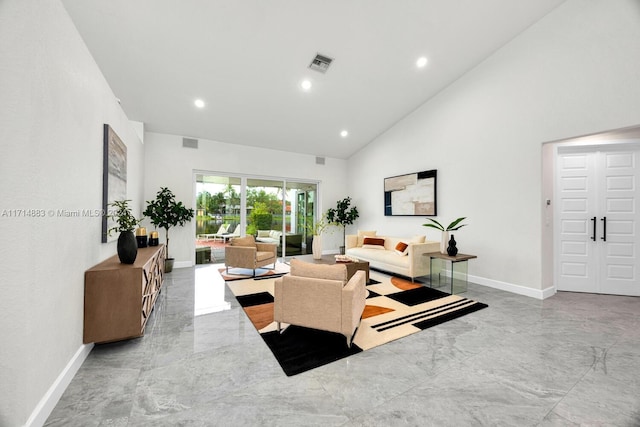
(570, 360)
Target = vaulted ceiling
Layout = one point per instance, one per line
(246, 60)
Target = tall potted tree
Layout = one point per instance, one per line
(342, 215)
(165, 212)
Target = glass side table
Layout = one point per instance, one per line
(454, 278)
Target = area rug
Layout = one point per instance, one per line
(236, 273)
(395, 309)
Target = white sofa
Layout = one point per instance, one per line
(294, 241)
(412, 264)
(269, 236)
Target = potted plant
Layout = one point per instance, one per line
(165, 212)
(127, 244)
(342, 215)
(455, 225)
(316, 231)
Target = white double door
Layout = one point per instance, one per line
(596, 239)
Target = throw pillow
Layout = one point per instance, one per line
(373, 243)
(264, 233)
(244, 241)
(318, 271)
(402, 248)
(362, 235)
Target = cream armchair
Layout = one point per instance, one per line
(245, 252)
(319, 296)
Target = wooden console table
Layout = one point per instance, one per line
(118, 298)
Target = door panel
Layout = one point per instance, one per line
(575, 185)
(598, 256)
(620, 195)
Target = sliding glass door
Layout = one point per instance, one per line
(302, 199)
(271, 209)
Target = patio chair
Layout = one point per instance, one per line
(227, 236)
(222, 231)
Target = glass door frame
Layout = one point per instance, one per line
(285, 186)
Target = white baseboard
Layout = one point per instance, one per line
(52, 396)
(516, 289)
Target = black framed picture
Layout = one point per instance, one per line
(413, 194)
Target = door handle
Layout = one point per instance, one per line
(594, 229)
(604, 228)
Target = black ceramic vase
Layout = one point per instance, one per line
(127, 247)
(451, 249)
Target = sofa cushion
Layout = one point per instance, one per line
(402, 248)
(362, 234)
(275, 234)
(319, 271)
(375, 256)
(244, 241)
(373, 243)
(263, 255)
(418, 239)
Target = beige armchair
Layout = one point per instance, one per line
(245, 252)
(319, 296)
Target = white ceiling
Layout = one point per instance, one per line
(246, 59)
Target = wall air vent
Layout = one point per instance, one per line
(319, 160)
(189, 143)
(320, 63)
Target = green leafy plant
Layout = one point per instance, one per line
(455, 225)
(165, 212)
(342, 215)
(320, 225)
(123, 216)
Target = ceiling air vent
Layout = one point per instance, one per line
(189, 143)
(320, 63)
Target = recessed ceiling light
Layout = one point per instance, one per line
(305, 85)
(199, 103)
(421, 62)
(344, 134)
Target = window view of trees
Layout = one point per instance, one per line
(218, 204)
(264, 209)
(287, 207)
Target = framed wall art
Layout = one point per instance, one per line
(114, 177)
(413, 194)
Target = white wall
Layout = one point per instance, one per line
(169, 164)
(573, 73)
(54, 101)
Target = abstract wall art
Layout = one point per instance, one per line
(413, 194)
(114, 178)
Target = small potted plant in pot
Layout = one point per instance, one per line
(165, 212)
(455, 225)
(342, 215)
(127, 244)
